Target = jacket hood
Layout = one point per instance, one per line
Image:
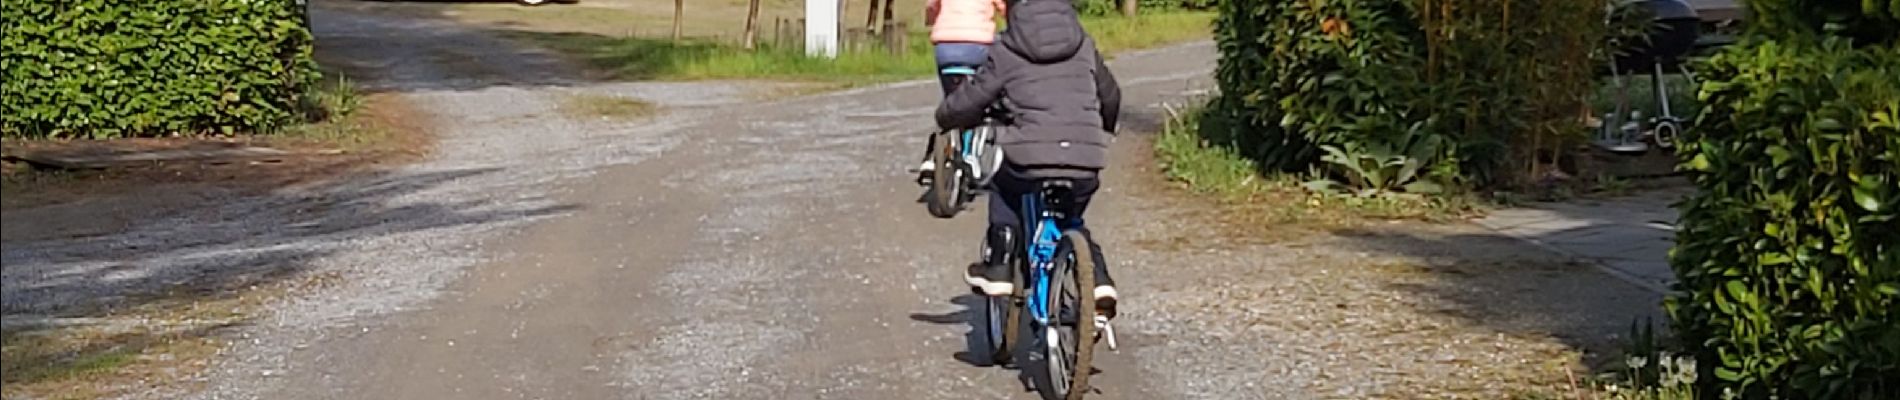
(1044, 31)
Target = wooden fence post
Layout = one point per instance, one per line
(897, 38)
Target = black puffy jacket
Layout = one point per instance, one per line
(1049, 75)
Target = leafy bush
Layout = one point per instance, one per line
(1866, 22)
(1498, 81)
(1788, 254)
(107, 68)
(1380, 170)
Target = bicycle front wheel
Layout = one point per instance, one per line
(1068, 344)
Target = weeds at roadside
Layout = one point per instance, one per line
(337, 120)
(1649, 372)
(1213, 168)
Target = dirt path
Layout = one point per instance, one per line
(738, 249)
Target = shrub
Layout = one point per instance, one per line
(106, 68)
(1497, 80)
(1866, 22)
(1788, 254)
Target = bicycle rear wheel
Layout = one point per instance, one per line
(1068, 344)
(945, 196)
(991, 160)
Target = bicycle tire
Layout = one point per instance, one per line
(1077, 373)
(945, 195)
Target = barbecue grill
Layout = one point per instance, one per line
(1670, 35)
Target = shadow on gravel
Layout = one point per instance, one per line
(1514, 288)
(416, 51)
(423, 48)
(970, 316)
(213, 251)
(977, 342)
(157, 291)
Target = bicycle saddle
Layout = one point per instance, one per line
(1057, 197)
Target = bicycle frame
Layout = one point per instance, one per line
(1041, 257)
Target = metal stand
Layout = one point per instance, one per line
(1625, 131)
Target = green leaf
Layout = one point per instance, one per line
(1700, 162)
(1829, 124)
(1778, 154)
(1869, 198)
(1324, 186)
(1424, 187)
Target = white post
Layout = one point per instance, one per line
(821, 28)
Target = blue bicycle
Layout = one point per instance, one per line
(1054, 278)
(963, 158)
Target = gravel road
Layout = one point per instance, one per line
(746, 249)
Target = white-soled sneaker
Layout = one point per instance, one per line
(990, 281)
(1105, 299)
(927, 166)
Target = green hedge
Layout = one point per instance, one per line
(111, 68)
(1459, 86)
(1864, 21)
(1789, 252)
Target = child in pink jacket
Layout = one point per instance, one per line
(960, 32)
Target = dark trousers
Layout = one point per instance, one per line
(958, 54)
(1007, 191)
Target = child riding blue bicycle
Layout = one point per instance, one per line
(1063, 106)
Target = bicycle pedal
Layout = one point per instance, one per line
(1107, 331)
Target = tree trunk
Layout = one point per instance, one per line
(1128, 7)
(679, 15)
(752, 25)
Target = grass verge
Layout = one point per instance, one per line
(604, 107)
(1117, 34)
(1216, 168)
(642, 58)
(661, 59)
